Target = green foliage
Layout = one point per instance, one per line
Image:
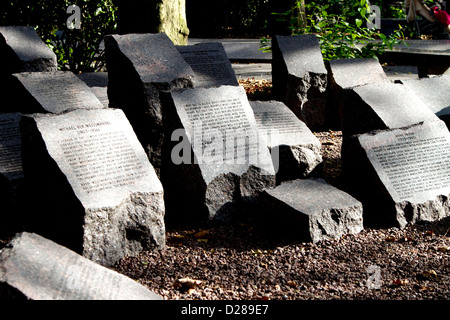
(342, 29)
(77, 50)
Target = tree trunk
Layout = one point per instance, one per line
(154, 16)
(296, 18)
(301, 14)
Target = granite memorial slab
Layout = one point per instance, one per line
(379, 106)
(214, 157)
(295, 150)
(22, 50)
(92, 179)
(312, 209)
(10, 147)
(51, 92)
(350, 73)
(98, 83)
(435, 92)
(383, 106)
(403, 174)
(210, 64)
(346, 74)
(11, 173)
(299, 77)
(140, 67)
(35, 268)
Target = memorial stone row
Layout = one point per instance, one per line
(105, 159)
(396, 141)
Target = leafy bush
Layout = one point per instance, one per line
(77, 50)
(342, 30)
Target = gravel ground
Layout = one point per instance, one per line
(239, 263)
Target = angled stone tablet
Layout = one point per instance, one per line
(35, 268)
(345, 74)
(10, 146)
(295, 150)
(301, 54)
(313, 209)
(210, 64)
(350, 73)
(383, 106)
(22, 50)
(153, 56)
(11, 172)
(92, 162)
(404, 174)
(435, 92)
(219, 147)
(300, 78)
(53, 92)
(140, 67)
